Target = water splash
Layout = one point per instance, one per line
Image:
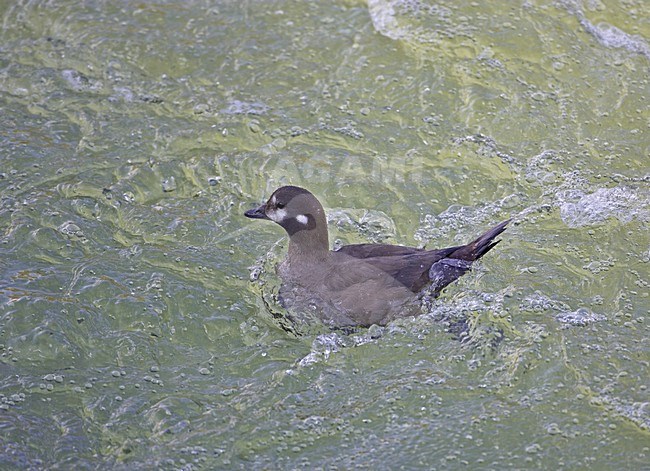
(411, 20)
(322, 347)
(606, 34)
(578, 208)
(580, 317)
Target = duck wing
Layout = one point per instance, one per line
(414, 268)
(376, 250)
(405, 268)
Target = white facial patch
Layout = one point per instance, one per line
(278, 215)
(302, 219)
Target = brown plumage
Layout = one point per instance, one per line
(361, 284)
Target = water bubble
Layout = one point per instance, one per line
(255, 273)
(534, 448)
(254, 126)
(538, 96)
(580, 317)
(297, 131)
(201, 108)
(553, 429)
(70, 229)
(169, 184)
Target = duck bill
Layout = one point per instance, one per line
(257, 213)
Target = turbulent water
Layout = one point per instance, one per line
(139, 322)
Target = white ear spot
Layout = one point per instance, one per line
(302, 219)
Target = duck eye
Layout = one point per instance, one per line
(279, 205)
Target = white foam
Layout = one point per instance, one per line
(580, 317)
(383, 18)
(623, 203)
(606, 34)
(611, 36)
(321, 348)
(406, 19)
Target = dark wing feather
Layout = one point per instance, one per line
(377, 250)
(409, 268)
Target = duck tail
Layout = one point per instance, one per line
(481, 246)
(459, 261)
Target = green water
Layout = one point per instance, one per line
(133, 135)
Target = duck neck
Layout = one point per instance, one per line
(308, 246)
(310, 243)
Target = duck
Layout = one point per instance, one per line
(358, 285)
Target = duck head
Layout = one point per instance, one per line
(301, 215)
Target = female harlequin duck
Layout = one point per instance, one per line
(360, 284)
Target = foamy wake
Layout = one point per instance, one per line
(585, 209)
(606, 34)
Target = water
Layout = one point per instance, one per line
(136, 302)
